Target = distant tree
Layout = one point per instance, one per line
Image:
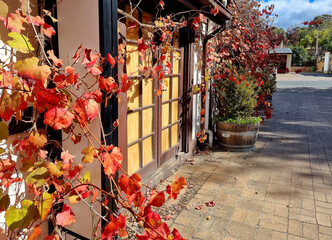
(292, 36)
(300, 55)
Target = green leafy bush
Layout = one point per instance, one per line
(235, 95)
(250, 120)
(300, 56)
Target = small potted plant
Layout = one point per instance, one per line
(236, 100)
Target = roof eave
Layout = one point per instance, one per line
(223, 14)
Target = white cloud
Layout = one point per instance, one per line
(294, 12)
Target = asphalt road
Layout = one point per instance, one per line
(304, 80)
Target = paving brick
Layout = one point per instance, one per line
(188, 218)
(325, 230)
(186, 231)
(323, 204)
(292, 237)
(324, 237)
(308, 204)
(302, 211)
(310, 231)
(249, 203)
(278, 236)
(263, 233)
(273, 222)
(295, 227)
(302, 218)
(228, 238)
(324, 210)
(323, 219)
(240, 231)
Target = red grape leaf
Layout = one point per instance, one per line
(157, 199)
(58, 118)
(67, 160)
(130, 185)
(66, 217)
(112, 161)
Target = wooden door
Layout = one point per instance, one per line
(171, 107)
(152, 123)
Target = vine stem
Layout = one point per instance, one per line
(37, 36)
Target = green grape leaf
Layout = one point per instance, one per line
(20, 42)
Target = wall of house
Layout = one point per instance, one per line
(289, 61)
(79, 23)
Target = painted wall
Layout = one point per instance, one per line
(320, 64)
(289, 61)
(327, 61)
(79, 23)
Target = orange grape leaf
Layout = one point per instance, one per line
(14, 22)
(107, 84)
(48, 30)
(35, 233)
(37, 139)
(48, 13)
(37, 21)
(66, 217)
(25, 7)
(30, 69)
(3, 10)
(89, 154)
(174, 189)
(55, 169)
(111, 60)
(57, 62)
(157, 199)
(94, 195)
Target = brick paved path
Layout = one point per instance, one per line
(280, 191)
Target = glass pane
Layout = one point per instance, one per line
(133, 158)
(175, 87)
(165, 140)
(133, 126)
(165, 94)
(132, 59)
(175, 136)
(175, 111)
(147, 121)
(165, 115)
(133, 95)
(147, 150)
(147, 88)
(176, 62)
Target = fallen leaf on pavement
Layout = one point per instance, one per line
(210, 204)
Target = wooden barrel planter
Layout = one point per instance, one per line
(237, 137)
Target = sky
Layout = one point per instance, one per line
(294, 12)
